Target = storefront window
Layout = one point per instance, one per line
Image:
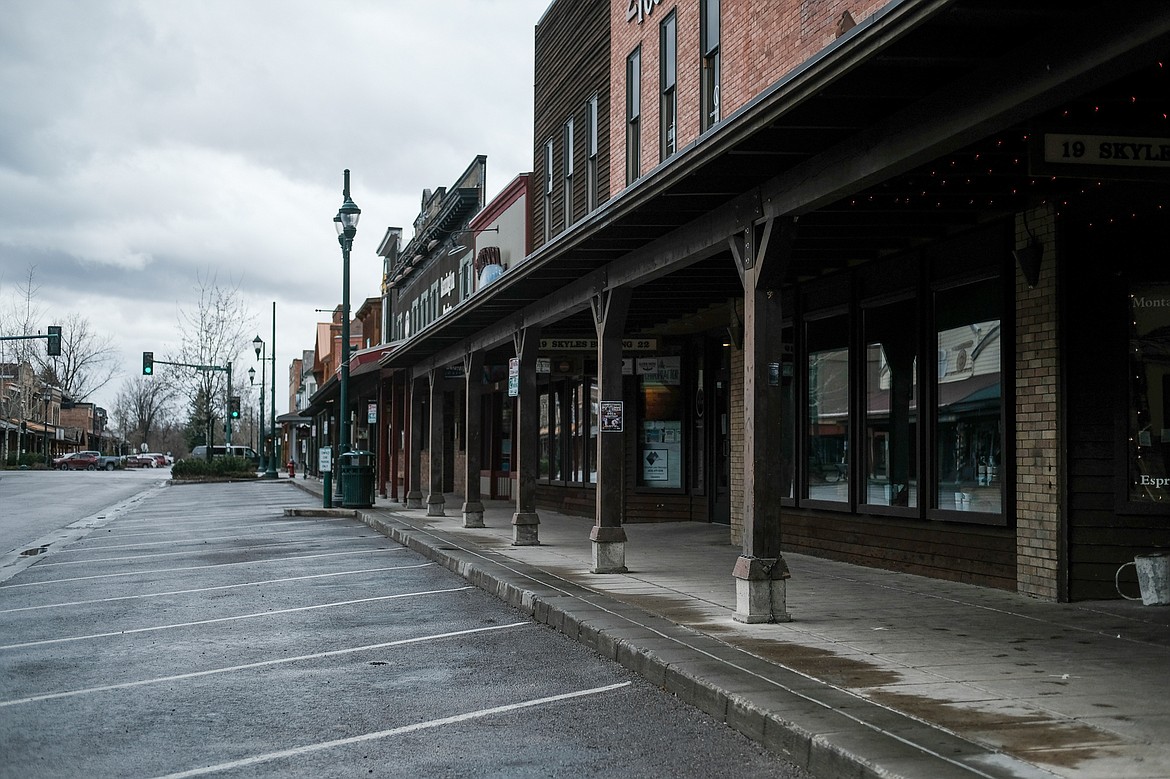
(827, 380)
(1149, 395)
(969, 405)
(788, 425)
(661, 414)
(546, 441)
(891, 404)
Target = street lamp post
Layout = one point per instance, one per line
(268, 458)
(259, 344)
(346, 223)
(47, 396)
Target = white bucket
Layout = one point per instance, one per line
(1153, 574)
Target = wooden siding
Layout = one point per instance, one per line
(571, 66)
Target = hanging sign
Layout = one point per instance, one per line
(514, 377)
(325, 459)
(1093, 156)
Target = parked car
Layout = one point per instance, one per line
(160, 459)
(105, 462)
(76, 461)
(139, 461)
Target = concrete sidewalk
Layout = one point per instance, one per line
(878, 674)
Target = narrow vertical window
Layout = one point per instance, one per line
(668, 79)
(969, 399)
(827, 420)
(591, 169)
(548, 188)
(891, 408)
(710, 65)
(568, 172)
(633, 116)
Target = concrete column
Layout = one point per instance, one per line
(435, 500)
(473, 418)
(526, 454)
(608, 537)
(760, 572)
(414, 494)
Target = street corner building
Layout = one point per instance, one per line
(885, 282)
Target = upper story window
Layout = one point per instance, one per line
(710, 66)
(593, 123)
(548, 188)
(568, 172)
(633, 115)
(668, 79)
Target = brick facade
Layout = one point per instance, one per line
(1038, 414)
(760, 41)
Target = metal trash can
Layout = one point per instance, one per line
(356, 479)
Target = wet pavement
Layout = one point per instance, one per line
(878, 673)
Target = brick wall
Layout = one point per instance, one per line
(760, 41)
(736, 443)
(1038, 466)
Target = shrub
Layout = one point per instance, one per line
(217, 468)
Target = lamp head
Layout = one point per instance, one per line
(251, 375)
(258, 344)
(346, 220)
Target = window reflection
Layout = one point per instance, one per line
(969, 407)
(1149, 405)
(827, 379)
(891, 413)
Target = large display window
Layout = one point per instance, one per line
(891, 403)
(827, 418)
(1149, 394)
(661, 401)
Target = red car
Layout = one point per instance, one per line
(76, 461)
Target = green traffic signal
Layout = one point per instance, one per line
(148, 363)
(234, 407)
(54, 347)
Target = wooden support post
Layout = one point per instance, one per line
(760, 572)
(608, 536)
(526, 522)
(414, 495)
(435, 499)
(472, 424)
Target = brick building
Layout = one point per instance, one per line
(883, 282)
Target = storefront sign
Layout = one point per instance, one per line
(514, 377)
(639, 9)
(372, 413)
(1120, 156)
(611, 416)
(590, 344)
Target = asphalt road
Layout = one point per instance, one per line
(199, 631)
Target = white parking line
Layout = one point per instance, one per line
(211, 589)
(435, 723)
(154, 628)
(198, 567)
(172, 531)
(125, 558)
(172, 541)
(258, 664)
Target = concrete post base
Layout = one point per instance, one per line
(435, 506)
(609, 549)
(760, 590)
(525, 529)
(473, 514)
(414, 500)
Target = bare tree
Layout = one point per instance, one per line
(141, 406)
(213, 334)
(21, 319)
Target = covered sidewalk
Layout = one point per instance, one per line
(878, 673)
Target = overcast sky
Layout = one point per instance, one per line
(147, 143)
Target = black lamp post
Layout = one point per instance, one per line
(47, 396)
(267, 455)
(346, 223)
(259, 344)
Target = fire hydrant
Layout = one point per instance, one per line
(292, 469)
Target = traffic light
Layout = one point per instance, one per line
(54, 341)
(148, 363)
(234, 407)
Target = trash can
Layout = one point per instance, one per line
(356, 478)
